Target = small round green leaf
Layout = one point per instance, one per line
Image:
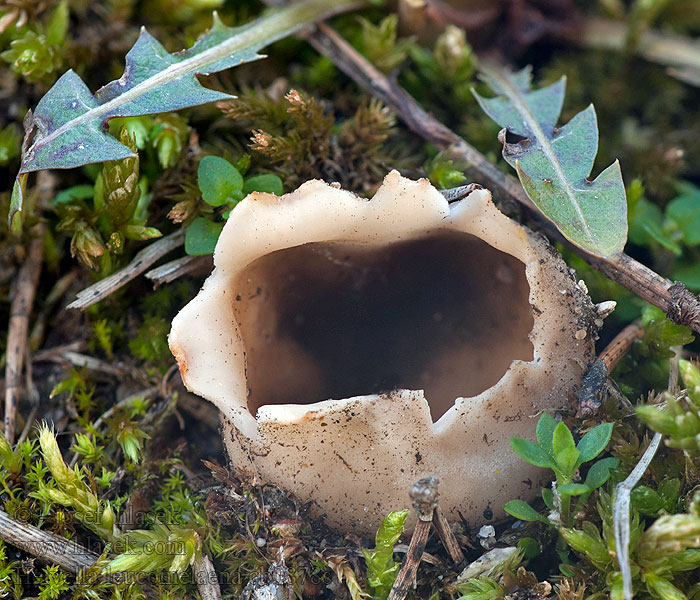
(218, 179)
(545, 431)
(523, 511)
(594, 442)
(264, 183)
(562, 438)
(201, 237)
(531, 452)
(573, 489)
(599, 472)
(529, 547)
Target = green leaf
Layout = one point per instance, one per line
(57, 28)
(523, 511)
(599, 472)
(14, 216)
(594, 442)
(564, 449)
(548, 497)
(201, 236)
(588, 542)
(554, 164)
(264, 183)
(138, 232)
(531, 452)
(662, 588)
(573, 489)
(67, 129)
(545, 431)
(381, 568)
(76, 192)
(562, 438)
(685, 212)
(529, 547)
(218, 179)
(688, 274)
(646, 223)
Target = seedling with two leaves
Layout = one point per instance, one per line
(555, 449)
(223, 186)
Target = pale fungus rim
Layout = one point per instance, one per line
(401, 209)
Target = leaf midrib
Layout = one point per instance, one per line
(518, 101)
(264, 32)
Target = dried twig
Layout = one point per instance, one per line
(143, 259)
(673, 298)
(184, 265)
(424, 495)
(621, 344)
(91, 363)
(447, 537)
(46, 546)
(24, 291)
(594, 380)
(206, 579)
(59, 289)
(28, 424)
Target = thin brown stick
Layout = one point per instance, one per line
(36, 337)
(28, 425)
(416, 547)
(46, 546)
(24, 291)
(143, 259)
(594, 380)
(673, 298)
(621, 344)
(447, 537)
(424, 495)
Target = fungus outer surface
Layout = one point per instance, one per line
(356, 346)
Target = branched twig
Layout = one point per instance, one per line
(673, 298)
(46, 546)
(143, 259)
(24, 291)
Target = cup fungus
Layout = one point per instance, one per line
(354, 346)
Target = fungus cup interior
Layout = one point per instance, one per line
(445, 313)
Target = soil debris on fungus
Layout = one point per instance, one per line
(342, 337)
